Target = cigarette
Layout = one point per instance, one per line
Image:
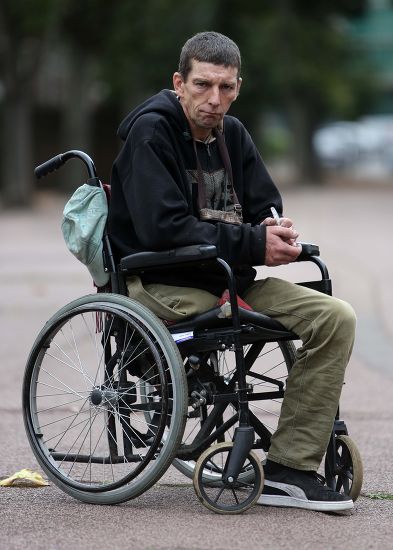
(275, 215)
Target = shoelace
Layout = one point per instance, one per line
(320, 479)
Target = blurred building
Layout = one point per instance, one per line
(364, 148)
(372, 36)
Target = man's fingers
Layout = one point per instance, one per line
(285, 255)
(285, 233)
(269, 221)
(281, 246)
(284, 222)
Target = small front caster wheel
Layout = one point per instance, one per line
(225, 497)
(347, 476)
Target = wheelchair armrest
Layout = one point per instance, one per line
(182, 255)
(308, 250)
(310, 253)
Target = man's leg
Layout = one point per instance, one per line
(170, 302)
(326, 327)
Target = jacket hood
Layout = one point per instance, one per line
(164, 103)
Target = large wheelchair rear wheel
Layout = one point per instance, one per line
(268, 365)
(85, 402)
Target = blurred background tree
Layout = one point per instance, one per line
(71, 70)
(26, 28)
(299, 65)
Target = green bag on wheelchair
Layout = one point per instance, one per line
(83, 225)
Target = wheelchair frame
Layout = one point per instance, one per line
(209, 332)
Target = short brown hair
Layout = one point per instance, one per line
(209, 47)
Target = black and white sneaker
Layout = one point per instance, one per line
(299, 489)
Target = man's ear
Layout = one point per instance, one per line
(178, 84)
(239, 83)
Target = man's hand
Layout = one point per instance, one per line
(281, 247)
(284, 222)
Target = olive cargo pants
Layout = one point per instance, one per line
(326, 327)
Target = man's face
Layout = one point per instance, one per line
(206, 95)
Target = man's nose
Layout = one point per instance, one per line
(214, 96)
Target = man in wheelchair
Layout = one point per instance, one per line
(190, 174)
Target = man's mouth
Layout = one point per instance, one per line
(209, 114)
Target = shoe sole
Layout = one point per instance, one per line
(293, 502)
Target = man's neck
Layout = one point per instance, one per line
(208, 139)
(200, 134)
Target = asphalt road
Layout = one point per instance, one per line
(38, 275)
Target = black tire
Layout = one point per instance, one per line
(224, 498)
(347, 476)
(84, 400)
(275, 361)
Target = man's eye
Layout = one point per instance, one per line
(201, 84)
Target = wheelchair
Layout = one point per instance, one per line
(112, 395)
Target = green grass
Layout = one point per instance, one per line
(379, 496)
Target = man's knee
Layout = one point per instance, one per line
(341, 318)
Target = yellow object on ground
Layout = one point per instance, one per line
(24, 478)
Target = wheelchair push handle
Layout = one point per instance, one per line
(57, 162)
(48, 166)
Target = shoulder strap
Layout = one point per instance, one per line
(222, 147)
(202, 202)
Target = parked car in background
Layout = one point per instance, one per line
(364, 146)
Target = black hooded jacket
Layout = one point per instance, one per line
(154, 207)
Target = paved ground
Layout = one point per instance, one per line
(38, 275)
